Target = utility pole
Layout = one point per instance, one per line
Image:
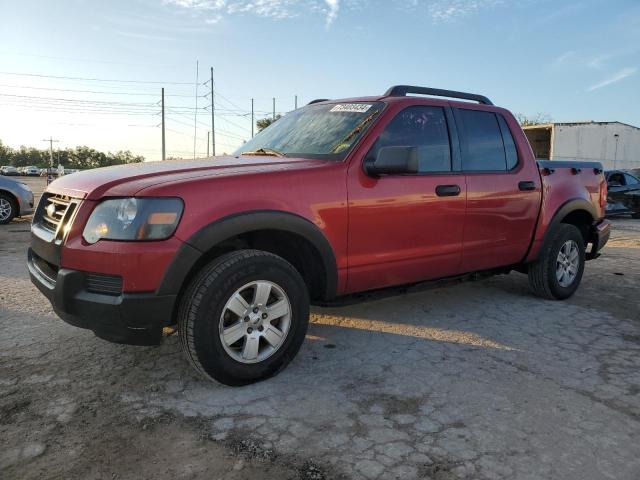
(296, 103)
(615, 155)
(253, 122)
(49, 173)
(213, 120)
(207, 143)
(164, 150)
(274, 108)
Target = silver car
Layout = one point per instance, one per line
(16, 199)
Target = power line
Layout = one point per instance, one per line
(94, 91)
(94, 79)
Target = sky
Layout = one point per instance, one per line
(90, 72)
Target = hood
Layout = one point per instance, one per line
(127, 180)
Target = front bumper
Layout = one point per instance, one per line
(129, 318)
(25, 200)
(599, 235)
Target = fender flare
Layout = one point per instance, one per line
(228, 227)
(565, 209)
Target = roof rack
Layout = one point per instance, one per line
(403, 90)
(317, 100)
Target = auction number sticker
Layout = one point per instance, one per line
(351, 107)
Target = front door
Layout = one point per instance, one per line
(404, 228)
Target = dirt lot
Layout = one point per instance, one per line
(480, 380)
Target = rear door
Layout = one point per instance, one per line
(407, 228)
(503, 190)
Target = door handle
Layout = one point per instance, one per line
(447, 190)
(527, 186)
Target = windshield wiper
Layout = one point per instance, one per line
(357, 129)
(265, 151)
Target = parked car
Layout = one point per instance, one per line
(335, 198)
(624, 193)
(31, 171)
(16, 199)
(8, 170)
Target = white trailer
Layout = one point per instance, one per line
(615, 144)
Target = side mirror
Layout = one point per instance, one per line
(394, 161)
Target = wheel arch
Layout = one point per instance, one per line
(577, 212)
(288, 235)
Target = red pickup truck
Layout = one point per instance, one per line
(338, 197)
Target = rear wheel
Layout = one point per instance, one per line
(8, 208)
(636, 214)
(244, 317)
(558, 271)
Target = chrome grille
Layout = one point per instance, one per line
(55, 212)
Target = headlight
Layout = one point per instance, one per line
(133, 219)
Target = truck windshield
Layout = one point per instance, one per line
(325, 131)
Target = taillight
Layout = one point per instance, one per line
(603, 193)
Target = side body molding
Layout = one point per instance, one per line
(225, 228)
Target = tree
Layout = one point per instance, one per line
(81, 157)
(537, 119)
(265, 122)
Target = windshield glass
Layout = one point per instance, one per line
(316, 131)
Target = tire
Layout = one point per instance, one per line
(207, 310)
(8, 208)
(544, 273)
(635, 215)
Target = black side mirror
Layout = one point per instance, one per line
(394, 161)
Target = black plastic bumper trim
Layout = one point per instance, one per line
(129, 318)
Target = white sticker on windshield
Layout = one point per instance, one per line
(351, 107)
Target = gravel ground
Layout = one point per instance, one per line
(479, 380)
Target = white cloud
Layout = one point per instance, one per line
(563, 58)
(277, 9)
(448, 10)
(438, 10)
(333, 6)
(621, 75)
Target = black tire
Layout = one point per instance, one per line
(12, 205)
(542, 273)
(202, 306)
(635, 215)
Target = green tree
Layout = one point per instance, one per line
(537, 119)
(81, 157)
(265, 122)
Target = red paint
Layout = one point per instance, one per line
(383, 231)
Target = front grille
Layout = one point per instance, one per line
(104, 284)
(55, 214)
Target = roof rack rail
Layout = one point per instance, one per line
(317, 100)
(403, 90)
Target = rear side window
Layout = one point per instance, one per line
(631, 180)
(424, 128)
(509, 145)
(486, 146)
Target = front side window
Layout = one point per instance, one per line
(325, 131)
(483, 146)
(425, 129)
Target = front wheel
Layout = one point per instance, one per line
(244, 317)
(558, 271)
(8, 209)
